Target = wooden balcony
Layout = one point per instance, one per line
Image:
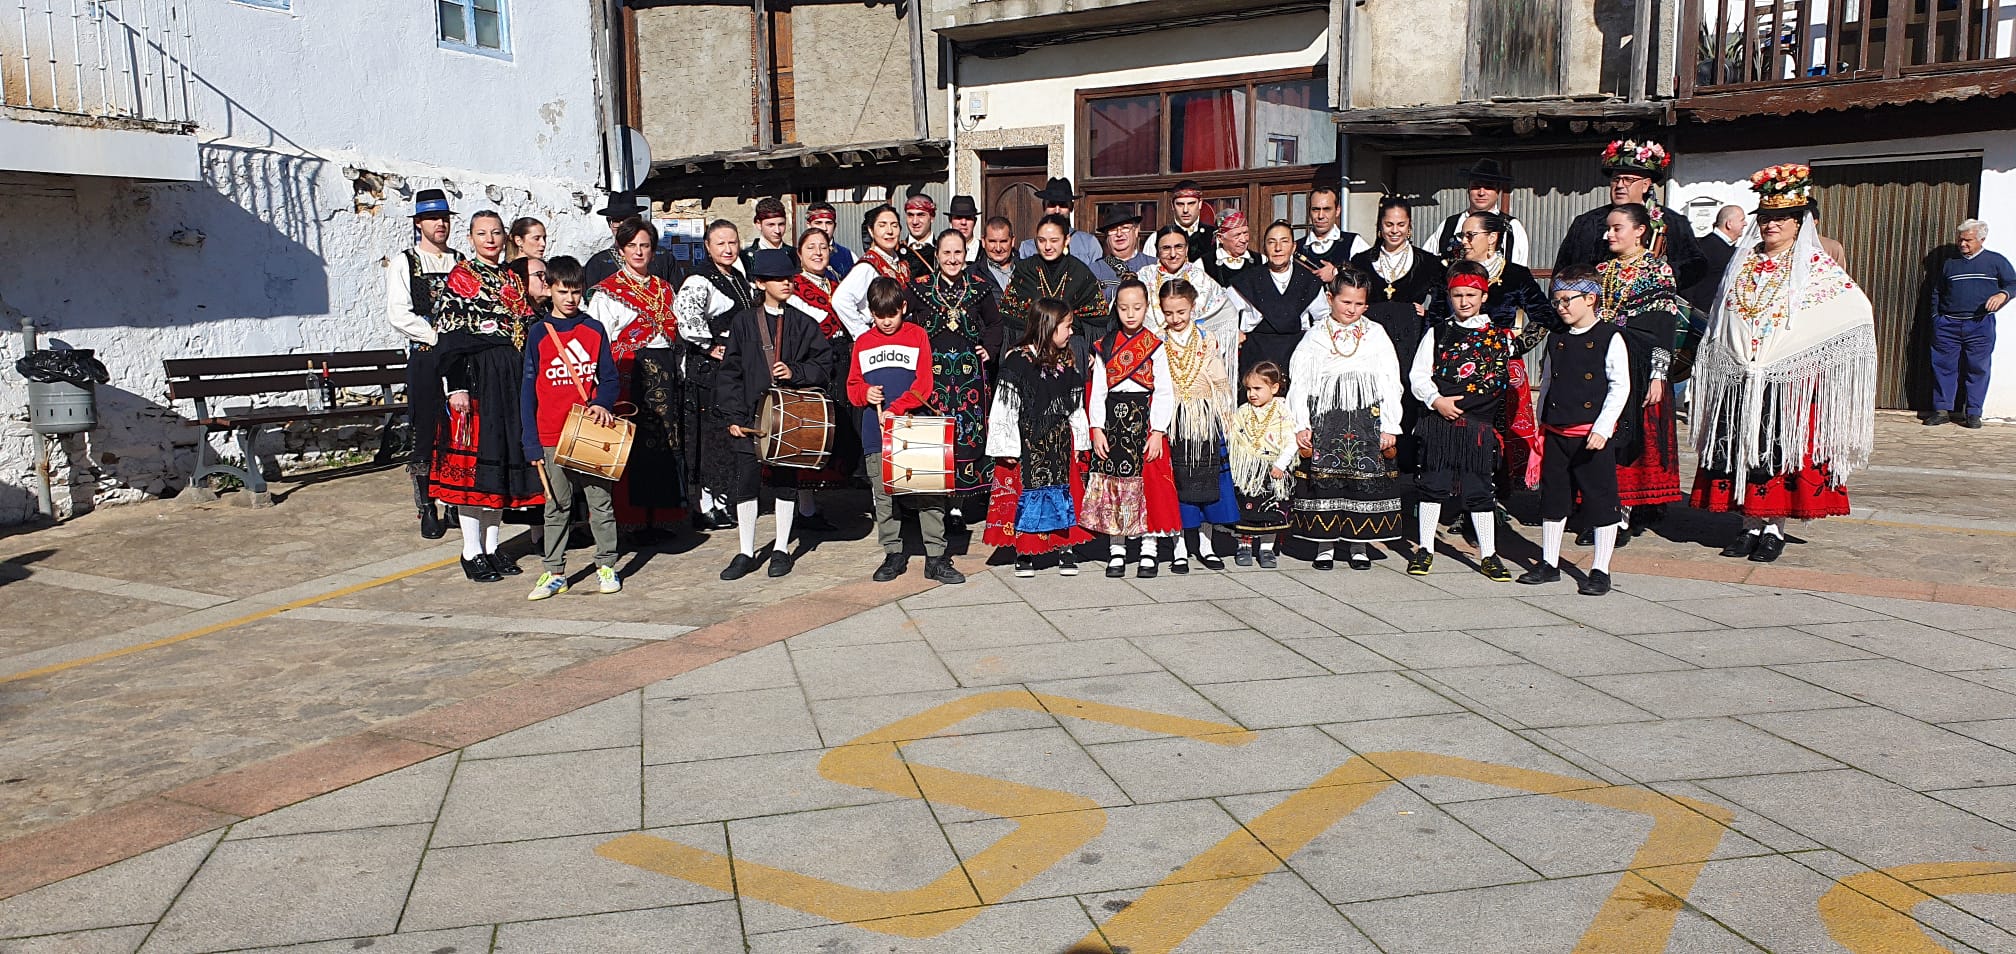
(1750, 57)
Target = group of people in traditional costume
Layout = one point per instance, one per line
(1345, 391)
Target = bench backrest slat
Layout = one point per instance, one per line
(249, 385)
(274, 363)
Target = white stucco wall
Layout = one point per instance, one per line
(291, 105)
(1725, 177)
(1039, 88)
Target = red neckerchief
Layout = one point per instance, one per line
(1130, 358)
(885, 266)
(821, 300)
(653, 304)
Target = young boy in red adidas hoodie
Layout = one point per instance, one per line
(889, 377)
(567, 362)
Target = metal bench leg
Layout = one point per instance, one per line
(255, 479)
(197, 488)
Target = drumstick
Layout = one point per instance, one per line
(543, 485)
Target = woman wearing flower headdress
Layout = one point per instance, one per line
(1635, 170)
(1783, 392)
(1638, 295)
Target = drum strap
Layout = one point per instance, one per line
(769, 340)
(573, 366)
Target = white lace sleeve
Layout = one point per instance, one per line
(693, 306)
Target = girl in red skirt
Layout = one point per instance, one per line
(1037, 434)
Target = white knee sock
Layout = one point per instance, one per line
(1431, 517)
(786, 513)
(1606, 543)
(493, 529)
(1551, 532)
(745, 526)
(1116, 548)
(472, 532)
(1486, 523)
(1775, 527)
(806, 505)
(708, 501)
(1181, 545)
(1204, 534)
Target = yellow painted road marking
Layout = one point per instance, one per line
(1869, 913)
(1636, 919)
(227, 624)
(1049, 825)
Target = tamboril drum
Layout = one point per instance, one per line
(795, 428)
(917, 455)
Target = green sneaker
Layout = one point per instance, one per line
(547, 585)
(609, 581)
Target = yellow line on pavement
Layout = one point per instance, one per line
(1869, 913)
(227, 624)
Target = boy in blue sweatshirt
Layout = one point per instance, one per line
(567, 362)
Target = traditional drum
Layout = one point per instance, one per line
(590, 448)
(917, 455)
(795, 428)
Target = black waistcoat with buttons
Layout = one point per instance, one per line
(1577, 382)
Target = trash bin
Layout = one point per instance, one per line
(59, 407)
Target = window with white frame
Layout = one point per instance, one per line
(477, 25)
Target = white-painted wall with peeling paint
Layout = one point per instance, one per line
(279, 248)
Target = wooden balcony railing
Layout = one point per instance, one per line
(1766, 45)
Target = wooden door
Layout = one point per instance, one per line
(1009, 181)
(1894, 220)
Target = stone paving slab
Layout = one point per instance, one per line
(1283, 763)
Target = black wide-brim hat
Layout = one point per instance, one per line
(769, 263)
(963, 207)
(1117, 218)
(1488, 171)
(622, 205)
(1058, 191)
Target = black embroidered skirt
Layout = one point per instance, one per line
(1346, 490)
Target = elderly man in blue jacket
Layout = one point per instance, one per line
(1972, 287)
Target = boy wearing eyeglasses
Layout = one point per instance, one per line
(1582, 394)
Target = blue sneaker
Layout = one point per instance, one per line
(547, 585)
(608, 580)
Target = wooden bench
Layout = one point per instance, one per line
(202, 380)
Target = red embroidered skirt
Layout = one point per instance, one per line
(1654, 478)
(455, 474)
(1005, 499)
(1801, 495)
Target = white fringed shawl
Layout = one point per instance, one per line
(1810, 388)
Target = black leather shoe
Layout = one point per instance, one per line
(1768, 548)
(1360, 560)
(941, 570)
(1179, 566)
(1116, 568)
(479, 571)
(1585, 538)
(741, 566)
(1539, 575)
(1743, 546)
(724, 519)
(780, 564)
(502, 566)
(1934, 420)
(431, 527)
(892, 567)
(1323, 563)
(1973, 422)
(1211, 562)
(955, 523)
(1597, 584)
(1147, 571)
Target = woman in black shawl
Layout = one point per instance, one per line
(1406, 280)
(1052, 273)
(707, 303)
(957, 311)
(479, 459)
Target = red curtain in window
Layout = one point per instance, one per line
(1210, 131)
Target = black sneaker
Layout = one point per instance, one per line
(1067, 565)
(780, 564)
(1212, 562)
(1025, 567)
(1267, 561)
(1243, 556)
(892, 567)
(479, 571)
(1768, 549)
(1116, 568)
(741, 566)
(1147, 570)
(1494, 570)
(1420, 563)
(1597, 584)
(1973, 422)
(1934, 420)
(1179, 566)
(941, 570)
(1743, 546)
(1539, 575)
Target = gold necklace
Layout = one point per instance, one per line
(1752, 296)
(1355, 331)
(1063, 279)
(1186, 362)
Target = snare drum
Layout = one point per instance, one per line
(917, 455)
(796, 428)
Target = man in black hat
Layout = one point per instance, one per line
(964, 215)
(1058, 199)
(1123, 258)
(622, 207)
(1488, 182)
(413, 282)
(1635, 169)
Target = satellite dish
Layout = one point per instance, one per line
(640, 155)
